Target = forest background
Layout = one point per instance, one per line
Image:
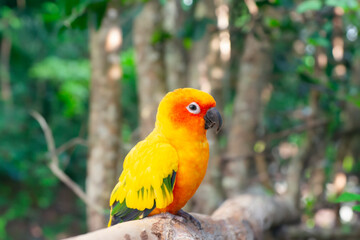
(90, 74)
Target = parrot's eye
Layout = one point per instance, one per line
(193, 108)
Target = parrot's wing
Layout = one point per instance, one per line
(147, 181)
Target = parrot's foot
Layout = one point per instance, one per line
(189, 217)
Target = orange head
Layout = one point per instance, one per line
(188, 110)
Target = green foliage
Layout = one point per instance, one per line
(272, 22)
(354, 99)
(348, 197)
(187, 42)
(356, 208)
(309, 204)
(9, 19)
(242, 20)
(309, 5)
(259, 146)
(60, 70)
(347, 5)
(50, 72)
(55, 86)
(72, 76)
(78, 13)
(319, 41)
(199, 27)
(160, 36)
(330, 154)
(50, 12)
(129, 99)
(348, 163)
(195, 28)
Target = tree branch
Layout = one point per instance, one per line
(73, 142)
(54, 163)
(242, 217)
(298, 129)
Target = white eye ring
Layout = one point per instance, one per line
(193, 108)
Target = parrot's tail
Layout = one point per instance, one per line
(115, 220)
(109, 223)
(131, 214)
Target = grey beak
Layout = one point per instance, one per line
(213, 119)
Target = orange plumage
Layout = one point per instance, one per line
(162, 172)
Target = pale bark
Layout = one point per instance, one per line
(303, 232)
(149, 64)
(199, 53)
(243, 217)
(295, 171)
(317, 158)
(175, 53)
(254, 72)
(21, 4)
(104, 125)
(348, 144)
(6, 92)
(207, 72)
(352, 111)
(338, 51)
(311, 153)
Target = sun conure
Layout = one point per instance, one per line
(162, 172)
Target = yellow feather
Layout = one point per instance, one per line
(176, 138)
(146, 166)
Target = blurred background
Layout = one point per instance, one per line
(90, 74)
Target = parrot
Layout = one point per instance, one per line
(163, 171)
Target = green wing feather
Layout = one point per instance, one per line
(121, 213)
(147, 181)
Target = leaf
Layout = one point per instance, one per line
(348, 197)
(354, 100)
(272, 22)
(242, 20)
(74, 95)
(344, 4)
(195, 28)
(348, 163)
(310, 5)
(59, 70)
(160, 36)
(187, 43)
(309, 61)
(76, 13)
(356, 208)
(200, 27)
(51, 12)
(8, 15)
(319, 41)
(259, 146)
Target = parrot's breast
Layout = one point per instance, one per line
(193, 160)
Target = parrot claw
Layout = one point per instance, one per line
(189, 217)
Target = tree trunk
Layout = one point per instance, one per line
(348, 145)
(352, 111)
(150, 64)
(311, 153)
(254, 72)
(6, 93)
(198, 76)
(317, 158)
(208, 73)
(21, 4)
(244, 217)
(104, 125)
(175, 53)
